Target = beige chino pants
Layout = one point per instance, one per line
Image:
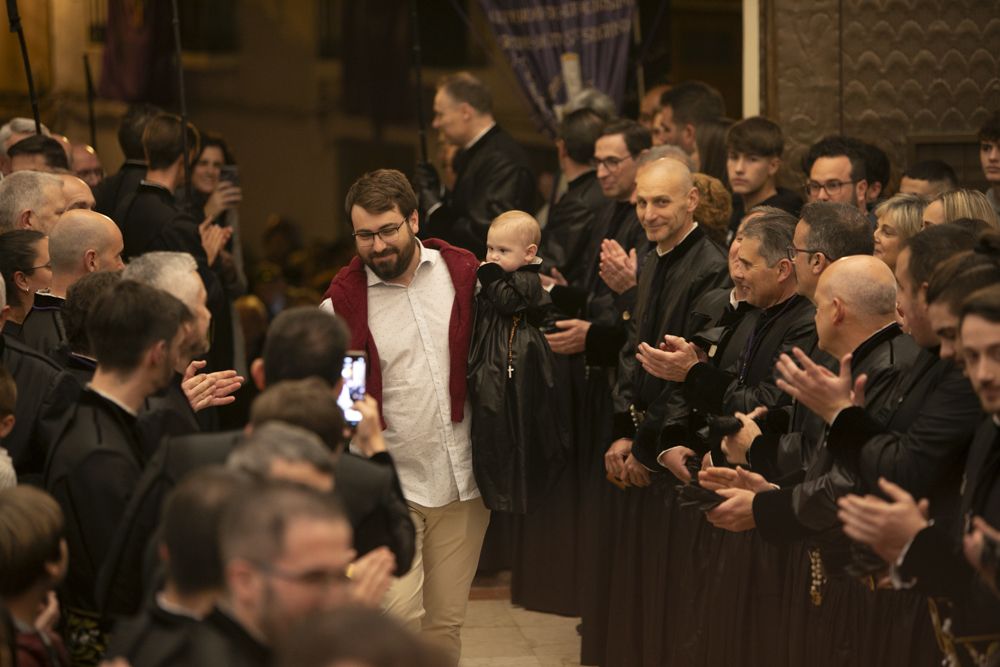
(433, 596)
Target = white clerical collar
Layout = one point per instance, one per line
(479, 136)
(663, 253)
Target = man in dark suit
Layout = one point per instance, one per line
(110, 192)
(94, 464)
(492, 171)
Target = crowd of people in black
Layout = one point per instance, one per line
(726, 422)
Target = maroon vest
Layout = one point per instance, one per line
(348, 292)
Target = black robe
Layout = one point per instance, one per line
(45, 399)
(558, 550)
(152, 221)
(91, 471)
(221, 640)
(77, 365)
(43, 328)
(936, 565)
(368, 488)
(493, 176)
(571, 232)
(154, 637)
(518, 450)
(641, 587)
(167, 413)
(839, 628)
(113, 190)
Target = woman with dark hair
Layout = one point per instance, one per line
(214, 196)
(24, 264)
(711, 142)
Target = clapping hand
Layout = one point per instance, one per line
(617, 268)
(885, 526)
(818, 388)
(209, 389)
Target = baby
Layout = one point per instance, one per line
(518, 446)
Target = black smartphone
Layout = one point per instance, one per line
(230, 173)
(355, 366)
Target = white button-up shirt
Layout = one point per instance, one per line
(409, 324)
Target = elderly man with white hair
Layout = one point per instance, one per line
(31, 200)
(173, 411)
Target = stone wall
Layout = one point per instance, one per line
(894, 72)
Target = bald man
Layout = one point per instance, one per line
(83, 242)
(77, 193)
(682, 268)
(87, 165)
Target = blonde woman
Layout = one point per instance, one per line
(957, 204)
(899, 218)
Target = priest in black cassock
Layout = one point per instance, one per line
(683, 267)
(95, 462)
(493, 175)
(151, 219)
(82, 242)
(590, 338)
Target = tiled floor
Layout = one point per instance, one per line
(499, 635)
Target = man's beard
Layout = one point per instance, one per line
(394, 269)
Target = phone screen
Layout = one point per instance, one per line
(354, 386)
(231, 173)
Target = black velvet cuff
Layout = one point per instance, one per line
(763, 454)
(774, 515)
(622, 426)
(626, 300)
(673, 435)
(488, 273)
(603, 344)
(568, 300)
(849, 432)
(705, 387)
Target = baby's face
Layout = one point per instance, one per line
(504, 246)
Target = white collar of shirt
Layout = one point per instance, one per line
(109, 397)
(175, 609)
(663, 253)
(427, 256)
(479, 136)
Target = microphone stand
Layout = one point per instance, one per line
(15, 26)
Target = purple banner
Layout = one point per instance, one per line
(534, 35)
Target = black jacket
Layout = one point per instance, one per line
(786, 200)
(517, 449)
(112, 191)
(935, 561)
(154, 637)
(152, 220)
(91, 471)
(929, 421)
(811, 506)
(45, 399)
(669, 287)
(221, 640)
(570, 236)
(167, 413)
(492, 177)
(368, 488)
(80, 367)
(43, 328)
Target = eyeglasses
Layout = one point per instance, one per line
(610, 163)
(832, 187)
(387, 233)
(318, 578)
(792, 251)
(31, 269)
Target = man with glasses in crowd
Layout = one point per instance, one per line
(835, 171)
(409, 307)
